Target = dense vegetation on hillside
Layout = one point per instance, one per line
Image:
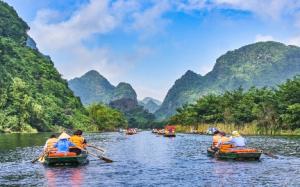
(271, 110)
(93, 88)
(32, 92)
(260, 64)
(105, 118)
(11, 25)
(33, 96)
(136, 115)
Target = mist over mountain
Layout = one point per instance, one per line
(150, 104)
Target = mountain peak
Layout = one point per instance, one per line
(259, 64)
(92, 73)
(148, 99)
(124, 90)
(190, 73)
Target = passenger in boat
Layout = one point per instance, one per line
(237, 140)
(50, 142)
(224, 139)
(79, 142)
(216, 139)
(63, 143)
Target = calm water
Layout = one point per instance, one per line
(146, 159)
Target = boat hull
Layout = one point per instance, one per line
(234, 156)
(67, 160)
(169, 135)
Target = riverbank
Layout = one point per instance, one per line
(246, 129)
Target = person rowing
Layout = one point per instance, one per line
(79, 141)
(224, 139)
(216, 140)
(50, 142)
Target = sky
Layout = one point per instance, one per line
(151, 43)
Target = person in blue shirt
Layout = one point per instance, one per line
(237, 140)
(63, 143)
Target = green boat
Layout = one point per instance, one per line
(62, 160)
(231, 155)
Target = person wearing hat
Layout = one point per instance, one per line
(237, 140)
(216, 139)
(223, 139)
(63, 143)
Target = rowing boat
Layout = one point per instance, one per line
(67, 158)
(235, 153)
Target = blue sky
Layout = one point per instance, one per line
(151, 43)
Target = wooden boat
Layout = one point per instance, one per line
(170, 131)
(68, 158)
(233, 153)
(131, 131)
(161, 132)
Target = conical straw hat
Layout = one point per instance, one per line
(64, 136)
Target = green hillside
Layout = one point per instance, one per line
(94, 88)
(260, 64)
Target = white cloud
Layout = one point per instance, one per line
(150, 21)
(267, 9)
(64, 40)
(294, 41)
(263, 38)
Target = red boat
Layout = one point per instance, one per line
(170, 131)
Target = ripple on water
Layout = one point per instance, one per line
(149, 160)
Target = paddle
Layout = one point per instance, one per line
(97, 148)
(270, 155)
(41, 156)
(100, 156)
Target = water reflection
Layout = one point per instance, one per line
(73, 176)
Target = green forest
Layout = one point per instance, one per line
(270, 110)
(33, 95)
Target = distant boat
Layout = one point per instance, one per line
(154, 131)
(170, 131)
(131, 131)
(211, 130)
(161, 132)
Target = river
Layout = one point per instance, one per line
(146, 159)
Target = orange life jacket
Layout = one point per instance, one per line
(216, 139)
(50, 143)
(78, 141)
(224, 139)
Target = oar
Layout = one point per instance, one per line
(270, 155)
(100, 156)
(41, 156)
(97, 148)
